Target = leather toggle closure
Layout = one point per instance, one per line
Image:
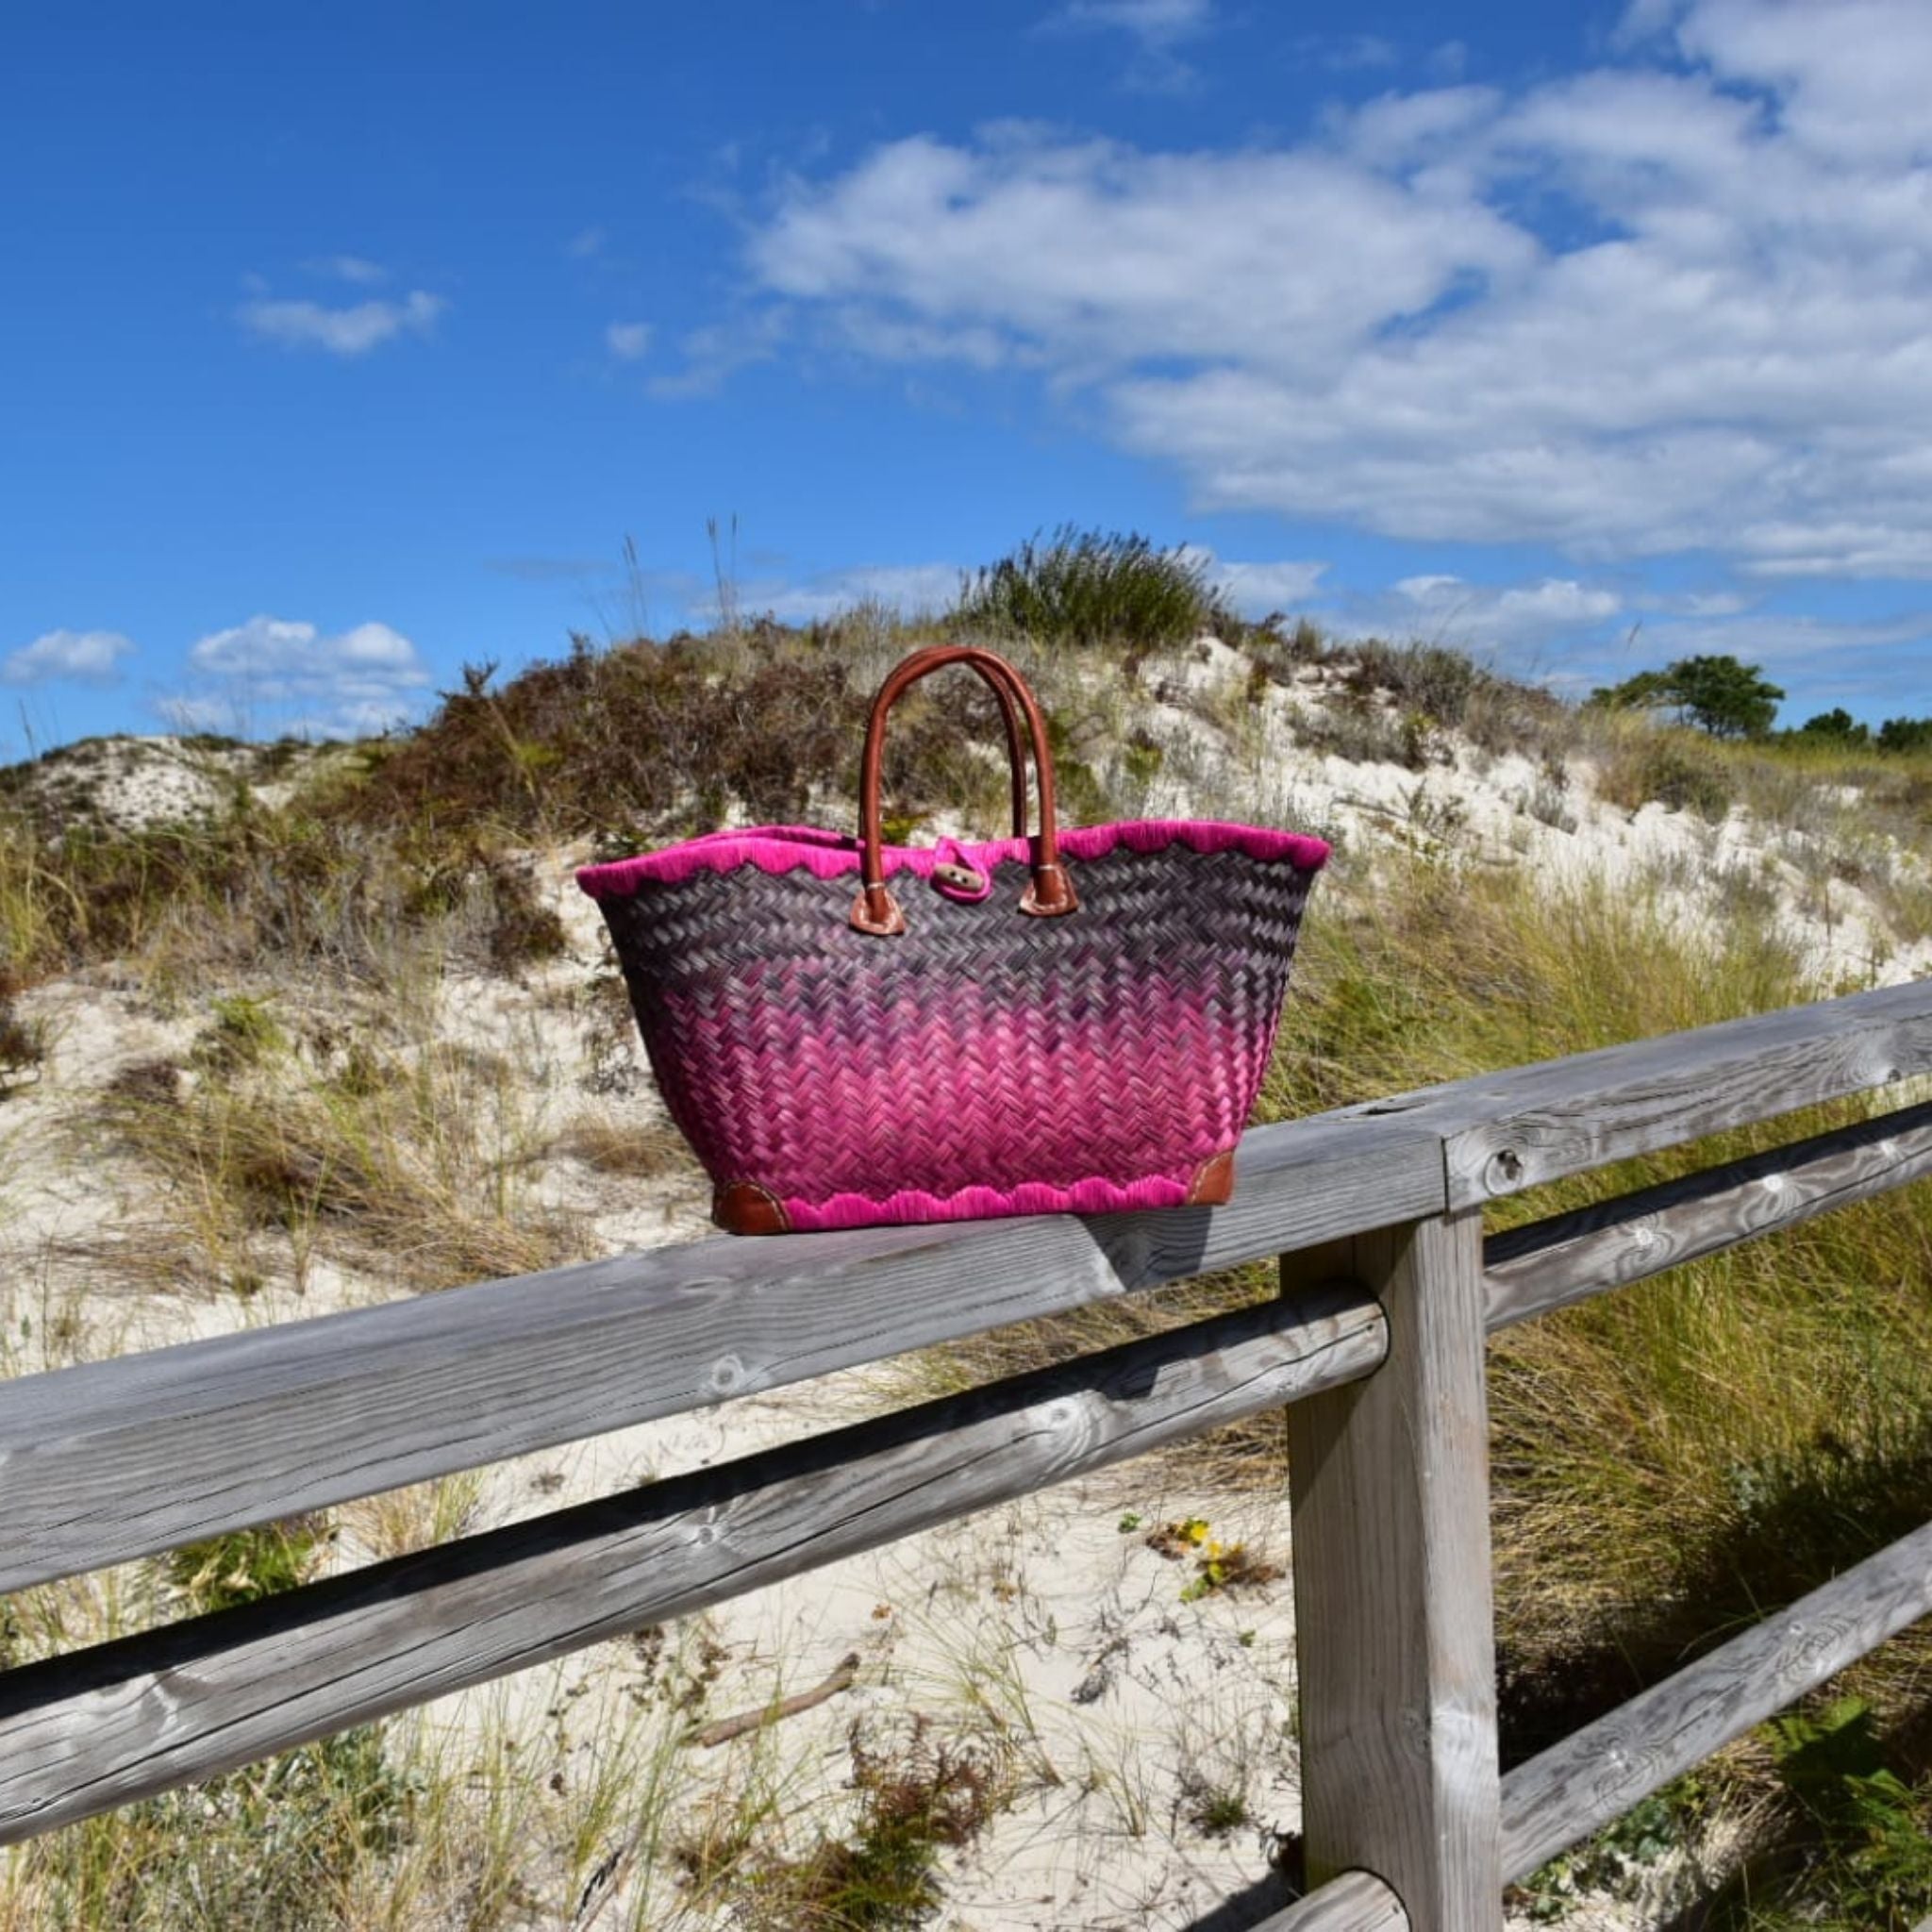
(955, 880)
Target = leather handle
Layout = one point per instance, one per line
(1051, 892)
(1009, 716)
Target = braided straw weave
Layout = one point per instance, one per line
(979, 1062)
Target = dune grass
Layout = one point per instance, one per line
(1734, 1427)
(1088, 588)
(1669, 1461)
(371, 1137)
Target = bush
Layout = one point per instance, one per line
(23, 1044)
(1904, 735)
(1446, 689)
(1276, 650)
(1670, 767)
(1082, 588)
(1870, 1846)
(646, 740)
(1363, 734)
(280, 885)
(413, 1164)
(1835, 726)
(1423, 677)
(885, 1878)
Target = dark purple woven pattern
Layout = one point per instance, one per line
(982, 1048)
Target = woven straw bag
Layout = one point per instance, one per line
(1074, 1021)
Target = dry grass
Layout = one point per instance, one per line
(912, 1802)
(411, 1162)
(1668, 1460)
(622, 1147)
(1671, 1458)
(22, 1044)
(1681, 770)
(648, 741)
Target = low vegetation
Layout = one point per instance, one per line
(276, 1844)
(416, 1152)
(1670, 1462)
(913, 1802)
(21, 1047)
(1086, 588)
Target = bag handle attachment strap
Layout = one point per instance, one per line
(1050, 892)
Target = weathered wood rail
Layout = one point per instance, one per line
(1375, 1347)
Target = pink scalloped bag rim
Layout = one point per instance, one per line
(828, 853)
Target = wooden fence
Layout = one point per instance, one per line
(1376, 1347)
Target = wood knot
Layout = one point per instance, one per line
(1503, 1171)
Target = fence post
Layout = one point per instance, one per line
(1388, 1483)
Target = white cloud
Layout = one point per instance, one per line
(85, 657)
(1093, 258)
(355, 681)
(718, 351)
(1681, 301)
(1259, 590)
(1157, 27)
(350, 268)
(1155, 23)
(628, 340)
(911, 588)
(1575, 634)
(1644, 18)
(1790, 643)
(1696, 603)
(1528, 628)
(351, 331)
(1347, 53)
(1850, 78)
(1451, 609)
(585, 243)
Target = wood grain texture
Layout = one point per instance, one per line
(1598, 1773)
(1394, 1632)
(120, 1458)
(83, 1732)
(1506, 1131)
(1609, 1245)
(1355, 1901)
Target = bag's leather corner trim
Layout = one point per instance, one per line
(1213, 1181)
(744, 1208)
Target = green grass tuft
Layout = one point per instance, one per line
(1088, 588)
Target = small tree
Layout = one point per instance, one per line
(1905, 735)
(1724, 697)
(1717, 694)
(1838, 725)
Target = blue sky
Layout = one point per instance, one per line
(339, 350)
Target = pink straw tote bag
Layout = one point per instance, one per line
(851, 1033)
